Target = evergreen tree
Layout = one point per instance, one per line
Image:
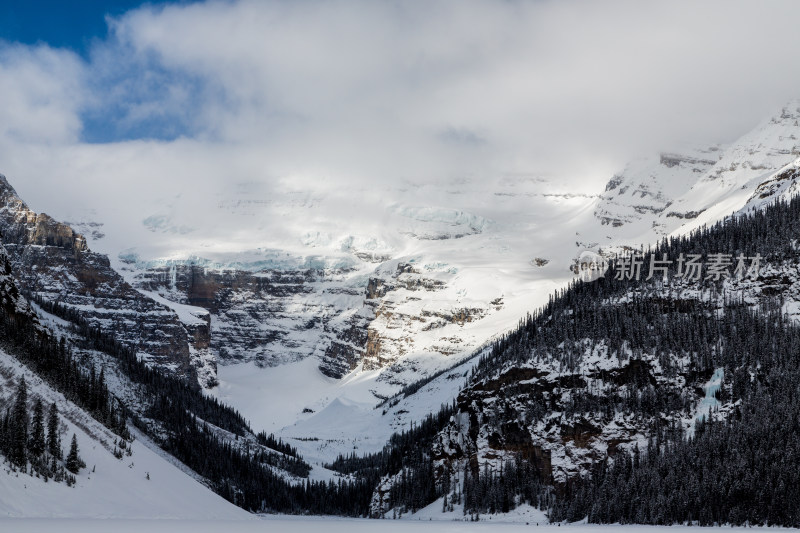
(53, 438)
(74, 462)
(19, 426)
(37, 440)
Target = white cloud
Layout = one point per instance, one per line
(378, 93)
(537, 79)
(40, 91)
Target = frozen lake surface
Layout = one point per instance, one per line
(303, 525)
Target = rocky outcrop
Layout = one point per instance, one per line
(21, 226)
(348, 346)
(783, 184)
(50, 260)
(270, 316)
(526, 410)
(647, 187)
(670, 160)
(408, 318)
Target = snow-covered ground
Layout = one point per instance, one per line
(108, 487)
(307, 525)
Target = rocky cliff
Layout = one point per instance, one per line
(270, 316)
(50, 261)
(340, 316)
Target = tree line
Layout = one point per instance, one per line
(32, 443)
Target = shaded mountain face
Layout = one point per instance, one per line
(12, 301)
(616, 370)
(50, 261)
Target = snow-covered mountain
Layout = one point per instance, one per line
(335, 317)
(145, 484)
(380, 288)
(636, 197)
(742, 168)
(679, 191)
(53, 262)
(141, 482)
(420, 289)
(616, 374)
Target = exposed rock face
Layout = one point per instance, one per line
(349, 345)
(782, 184)
(214, 289)
(21, 226)
(12, 302)
(345, 319)
(405, 321)
(697, 164)
(648, 187)
(525, 411)
(271, 316)
(52, 261)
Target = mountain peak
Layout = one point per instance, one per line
(20, 225)
(5, 185)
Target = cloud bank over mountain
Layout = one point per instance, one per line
(184, 99)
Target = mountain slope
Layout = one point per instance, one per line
(647, 188)
(742, 169)
(145, 484)
(677, 192)
(616, 375)
(142, 482)
(51, 261)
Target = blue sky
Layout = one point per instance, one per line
(81, 27)
(59, 23)
(540, 71)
